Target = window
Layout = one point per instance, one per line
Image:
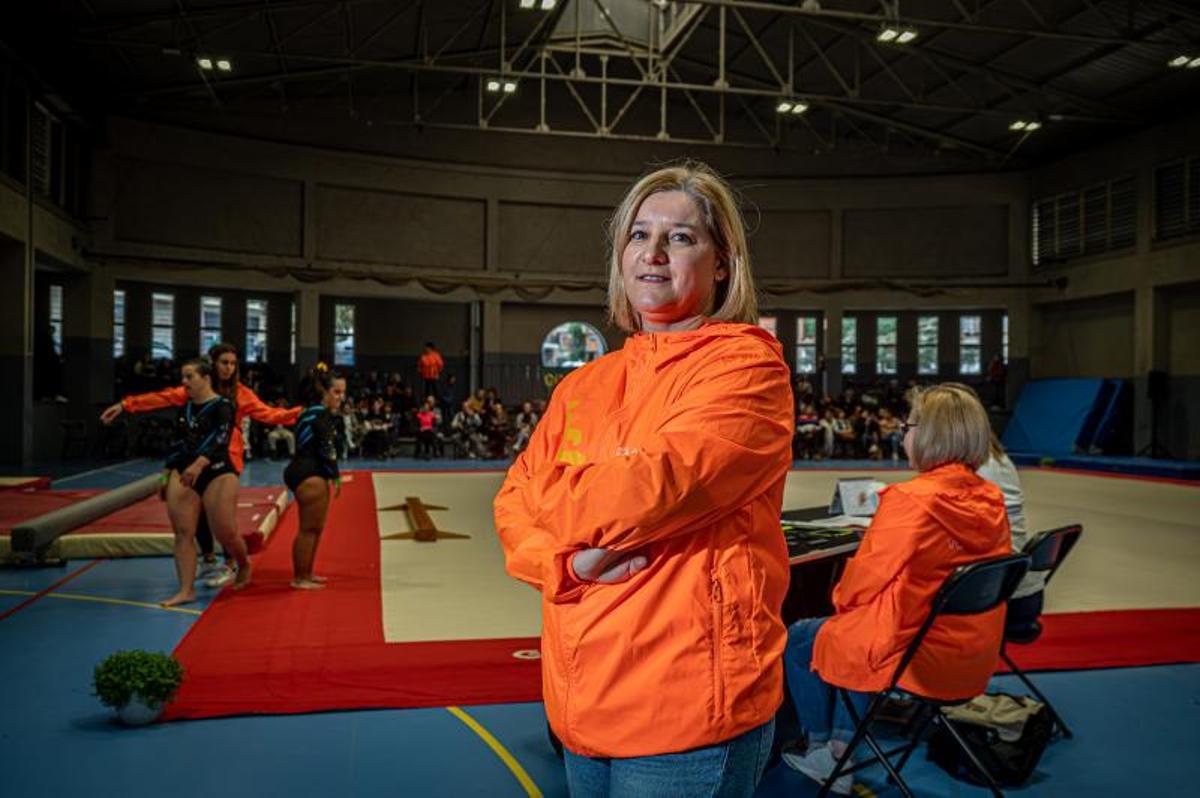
(256, 330)
(927, 344)
(1177, 199)
(885, 345)
(969, 357)
(806, 345)
(210, 323)
(769, 323)
(1004, 337)
(343, 335)
(119, 323)
(56, 317)
(849, 345)
(1085, 221)
(292, 345)
(571, 344)
(162, 326)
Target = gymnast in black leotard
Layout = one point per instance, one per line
(313, 472)
(201, 475)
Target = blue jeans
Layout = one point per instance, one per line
(822, 715)
(727, 770)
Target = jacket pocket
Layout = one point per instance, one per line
(718, 632)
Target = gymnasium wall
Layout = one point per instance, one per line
(1146, 285)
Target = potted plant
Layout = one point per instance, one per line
(137, 684)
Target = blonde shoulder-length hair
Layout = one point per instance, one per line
(951, 427)
(734, 298)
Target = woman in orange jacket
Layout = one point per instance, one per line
(246, 404)
(924, 528)
(646, 506)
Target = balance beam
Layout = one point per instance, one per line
(31, 539)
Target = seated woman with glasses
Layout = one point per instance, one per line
(924, 528)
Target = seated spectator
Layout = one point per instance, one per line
(826, 433)
(844, 436)
(281, 433)
(924, 528)
(467, 431)
(526, 420)
(889, 434)
(867, 428)
(429, 418)
(1026, 603)
(808, 428)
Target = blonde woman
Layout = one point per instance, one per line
(646, 510)
(924, 528)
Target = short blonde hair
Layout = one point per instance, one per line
(735, 298)
(951, 427)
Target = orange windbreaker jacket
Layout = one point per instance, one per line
(248, 404)
(922, 531)
(678, 444)
(430, 365)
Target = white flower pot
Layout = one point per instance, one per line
(137, 712)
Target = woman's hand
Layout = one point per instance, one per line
(189, 475)
(110, 413)
(607, 566)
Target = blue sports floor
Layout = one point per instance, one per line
(1134, 727)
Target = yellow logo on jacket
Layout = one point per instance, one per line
(572, 437)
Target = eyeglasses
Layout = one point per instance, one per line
(905, 426)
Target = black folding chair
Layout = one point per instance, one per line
(972, 589)
(1046, 552)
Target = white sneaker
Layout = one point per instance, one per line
(207, 569)
(818, 763)
(223, 576)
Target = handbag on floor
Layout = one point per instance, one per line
(1008, 733)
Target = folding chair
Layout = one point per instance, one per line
(1046, 552)
(972, 589)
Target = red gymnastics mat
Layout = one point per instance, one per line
(1112, 639)
(141, 529)
(271, 649)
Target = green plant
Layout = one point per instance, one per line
(152, 675)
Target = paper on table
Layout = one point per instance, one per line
(834, 521)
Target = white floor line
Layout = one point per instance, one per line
(58, 482)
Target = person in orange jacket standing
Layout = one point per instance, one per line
(246, 404)
(430, 366)
(646, 507)
(924, 528)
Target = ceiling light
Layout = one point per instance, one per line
(527, 4)
(204, 63)
(783, 107)
(887, 35)
(224, 65)
(547, 5)
(510, 86)
(493, 84)
(799, 108)
(1178, 61)
(1032, 126)
(1018, 125)
(906, 36)
(1195, 62)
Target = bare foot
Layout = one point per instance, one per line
(321, 579)
(243, 576)
(182, 597)
(307, 584)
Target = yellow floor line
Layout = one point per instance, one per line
(507, 758)
(102, 600)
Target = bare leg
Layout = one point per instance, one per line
(183, 509)
(313, 496)
(220, 505)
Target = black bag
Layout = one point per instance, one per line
(1010, 762)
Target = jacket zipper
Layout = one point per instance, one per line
(718, 600)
